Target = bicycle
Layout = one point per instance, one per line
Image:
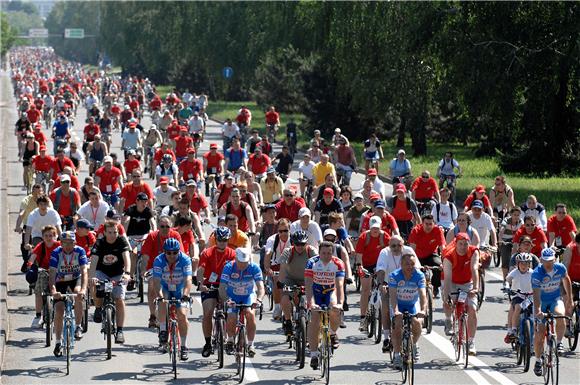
(299, 321)
(44, 180)
(47, 310)
(136, 245)
(373, 316)
(325, 346)
(484, 262)
(308, 190)
(450, 182)
(240, 339)
(357, 281)
(173, 345)
(108, 328)
(218, 332)
(29, 179)
(407, 350)
(271, 129)
(523, 343)
(574, 324)
(428, 270)
(68, 330)
(269, 289)
(460, 334)
(551, 361)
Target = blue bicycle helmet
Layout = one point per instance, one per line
(67, 236)
(548, 254)
(171, 244)
(222, 233)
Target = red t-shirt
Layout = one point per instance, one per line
(74, 183)
(43, 260)
(562, 228)
(272, 117)
(289, 212)
(87, 242)
(33, 115)
(182, 144)
(101, 229)
(91, 130)
(461, 265)
(401, 211)
(42, 164)
(224, 194)
(424, 189)
(115, 110)
(187, 239)
(213, 162)
(173, 131)
(259, 165)
(538, 237)
(131, 165)
(426, 243)
(213, 261)
(153, 245)
(129, 192)
(470, 199)
(240, 212)
(191, 170)
(39, 137)
(109, 180)
(134, 105)
(155, 104)
(388, 223)
(574, 267)
(370, 253)
(59, 165)
(197, 202)
(64, 207)
(159, 155)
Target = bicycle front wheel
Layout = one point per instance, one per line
(174, 348)
(325, 357)
(372, 321)
(68, 340)
(429, 316)
(465, 340)
(481, 291)
(379, 327)
(575, 326)
(87, 306)
(220, 342)
(456, 339)
(301, 342)
(109, 330)
(241, 354)
(527, 344)
(404, 359)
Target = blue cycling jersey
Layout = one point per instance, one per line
(68, 266)
(172, 277)
(60, 128)
(240, 284)
(548, 283)
(407, 290)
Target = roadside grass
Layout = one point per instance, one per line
(549, 191)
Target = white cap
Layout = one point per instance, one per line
(304, 211)
(329, 232)
(243, 254)
(337, 130)
(401, 151)
(375, 222)
(358, 196)
(64, 178)
(107, 159)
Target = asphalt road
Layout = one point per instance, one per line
(358, 360)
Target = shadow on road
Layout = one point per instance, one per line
(40, 372)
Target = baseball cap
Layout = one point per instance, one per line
(213, 145)
(112, 214)
(374, 196)
(375, 222)
(64, 178)
(337, 130)
(142, 197)
(270, 170)
(190, 182)
(84, 224)
(400, 187)
(42, 148)
(329, 232)
(401, 151)
(243, 254)
(480, 188)
(107, 159)
(191, 150)
(548, 254)
(372, 171)
(380, 204)
(357, 196)
(164, 180)
(68, 236)
(462, 236)
(526, 238)
(304, 211)
(477, 203)
(271, 206)
(329, 191)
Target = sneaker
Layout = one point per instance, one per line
(131, 285)
(362, 325)
(287, 326)
(538, 368)
(78, 333)
(229, 348)
(163, 337)
(183, 355)
(314, 362)
(386, 345)
(277, 313)
(152, 321)
(397, 361)
(416, 353)
(98, 315)
(24, 267)
(251, 351)
(448, 327)
(345, 306)
(508, 338)
(36, 322)
(119, 338)
(58, 349)
(471, 348)
(342, 322)
(206, 351)
(560, 348)
(334, 342)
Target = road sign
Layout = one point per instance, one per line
(228, 72)
(74, 33)
(38, 32)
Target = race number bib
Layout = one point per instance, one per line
(213, 277)
(109, 188)
(172, 287)
(462, 297)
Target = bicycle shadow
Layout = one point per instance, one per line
(439, 364)
(378, 366)
(27, 343)
(280, 365)
(45, 372)
(359, 340)
(508, 368)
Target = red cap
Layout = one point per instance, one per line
(42, 148)
(372, 171)
(164, 180)
(182, 129)
(400, 187)
(191, 150)
(461, 236)
(132, 125)
(329, 191)
(213, 145)
(374, 196)
(480, 188)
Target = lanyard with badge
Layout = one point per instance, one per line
(171, 286)
(68, 276)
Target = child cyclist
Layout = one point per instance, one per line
(519, 279)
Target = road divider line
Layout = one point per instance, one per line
(494, 275)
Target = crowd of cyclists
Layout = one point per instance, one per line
(143, 214)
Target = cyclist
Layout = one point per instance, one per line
(85, 236)
(172, 279)
(539, 240)
(329, 182)
(305, 223)
(534, 208)
(275, 246)
(242, 210)
(230, 131)
(407, 294)
(110, 181)
(259, 163)
(235, 156)
(272, 187)
(424, 190)
(345, 160)
(131, 162)
(97, 151)
(265, 146)
(138, 221)
(60, 163)
(323, 282)
(191, 169)
(561, 228)
(478, 194)
(244, 121)
(322, 169)
(283, 161)
(368, 247)
(26, 206)
(290, 206)
(404, 210)
(183, 143)
(167, 168)
(355, 214)
(446, 168)
(292, 265)
(42, 164)
(548, 280)
(400, 168)
(238, 237)
(388, 224)
(213, 164)
(253, 141)
(502, 197)
(376, 183)
(164, 194)
(483, 223)
(42, 216)
(30, 150)
(518, 279)
(132, 189)
(94, 210)
(292, 134)
(509, 226)
(66, 201)
(272, 121)
(60, 131)
(73, 153)
(89, 132)
(460, 264)
(242, 283)
(463, 225)
(68, 272)
(326, 205)
(373, 151)
(111, 262)
(152, 139)
(314, 152)
(444, 212)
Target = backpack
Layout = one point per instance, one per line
(469, 231)
(451, 207)
(381, 238)
(58, 195)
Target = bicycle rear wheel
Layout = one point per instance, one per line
(109, 330)
(404, 359)
(300, 343)
(429, 315)
(372, 321)
(481, 291)
(575, 326)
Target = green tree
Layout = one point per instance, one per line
(6, 35)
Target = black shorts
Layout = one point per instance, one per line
(213, 294)
(370, 268)
(516, 301)
(65, 286)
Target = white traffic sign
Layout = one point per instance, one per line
(74, 33)
(38, 32)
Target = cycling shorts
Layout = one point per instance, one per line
(64, 287)
(371, 155)
(324, 297)
(412, 309)
(212, 294)
(516, 301)
(176, 295)
(557, 302)
(241, 300)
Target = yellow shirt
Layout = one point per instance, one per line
(271, 192)
(240, 239)
(320, 171)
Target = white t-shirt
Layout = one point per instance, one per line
(388, 262)
(519, 281)
(306, 169)
(379, 187)
(279, 248)
(195, 125)
(314, 232)
(37, 221)
(448, 168)
(446, 215)
(484, 226)
(230, 131)
(163, 198)
(96, 216)
(131, 138)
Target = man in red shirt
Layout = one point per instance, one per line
(39, 135)
(85, 237)
(197, 201)
(388, 224)
(74, 181)
(155, 103)
(59, 163)
(368, 248)
(173, 130)
(428, 241)
(42, 162)
(211, 264)
(191, 168)
(289, 206)
(272, 117)
(536, 233)
(258, 163)
(213, 164)
(33, 114)
(425, 189)
(561, 227)
(66, 201)
(165, 149)
(110, 181)
(182, 144)
(152, 247)
(89, 132)
(131, 163)
(131, 189)
(242, 210)
(478, 193)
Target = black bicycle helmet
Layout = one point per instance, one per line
(299, 237)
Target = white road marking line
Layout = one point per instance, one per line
(494, 275)
(444, 345)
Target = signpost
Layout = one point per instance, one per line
(228, 72)
(37, 32)
(74, 33)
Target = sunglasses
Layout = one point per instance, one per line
(171, 252)
(425, 176)
(395, 246)
(282, 231)
(163, 226)
(288, 195)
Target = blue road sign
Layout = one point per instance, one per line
(228, 72)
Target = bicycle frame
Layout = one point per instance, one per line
(460, 334)
(69, 326)
(324, 347)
